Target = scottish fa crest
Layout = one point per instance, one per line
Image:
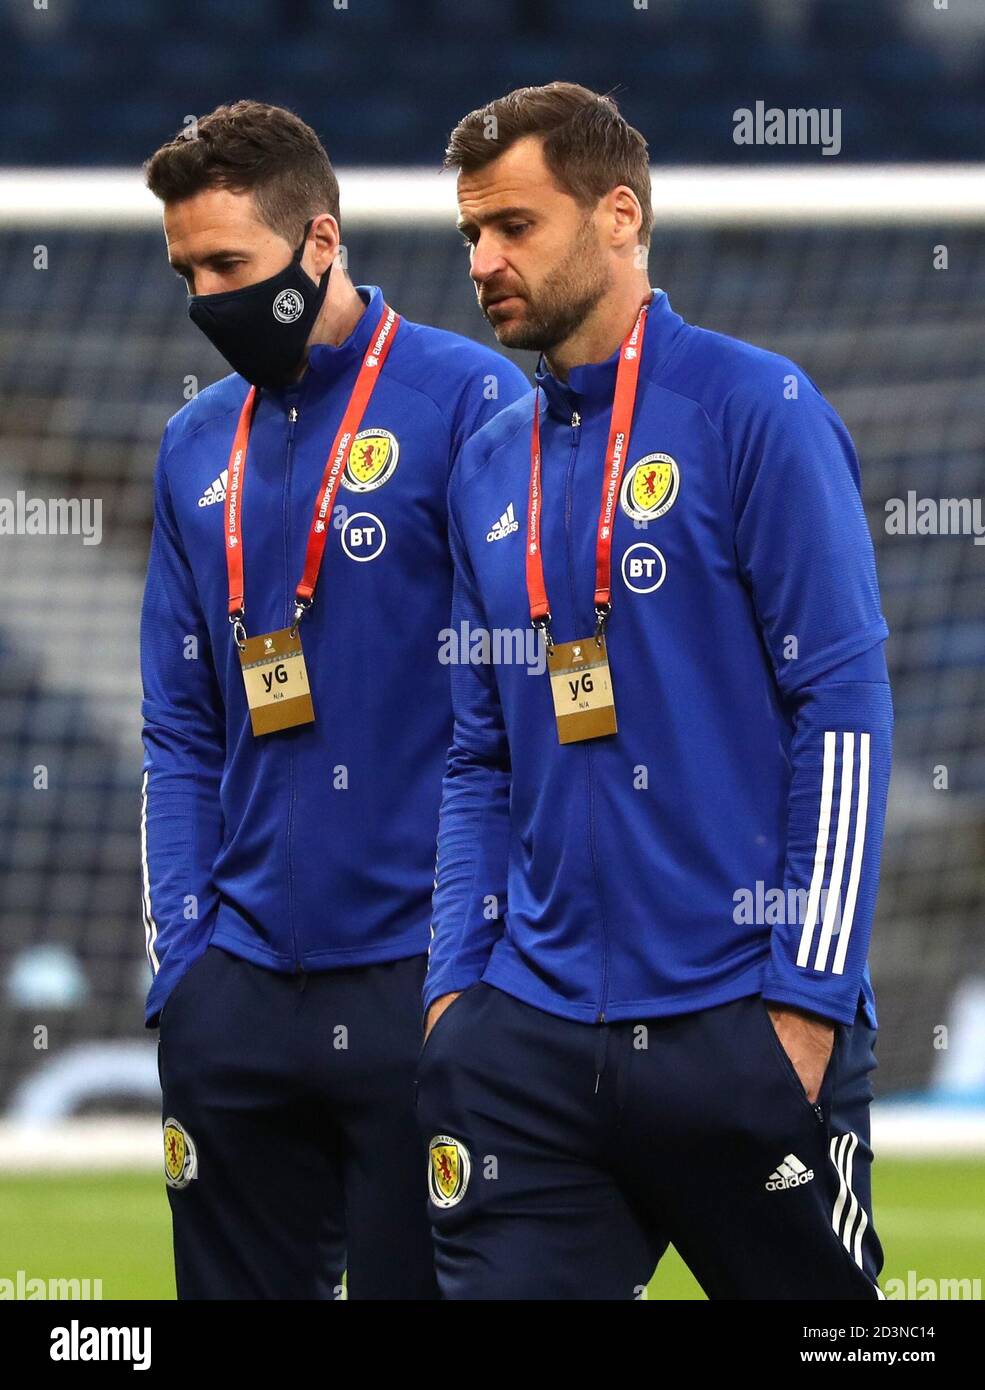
(449, 1167)
(372, 460)
(650, 487)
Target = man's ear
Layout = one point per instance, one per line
(626, 217)
(324, 232)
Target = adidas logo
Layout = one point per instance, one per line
(790, 1173)
(504, 527)
(216, 490)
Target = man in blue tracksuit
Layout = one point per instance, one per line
(658, 857)
(296, 718)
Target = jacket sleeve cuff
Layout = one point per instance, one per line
(782, 992)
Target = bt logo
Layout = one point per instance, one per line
(363, 536)
(644, 569)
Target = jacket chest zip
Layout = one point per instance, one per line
(576, 581)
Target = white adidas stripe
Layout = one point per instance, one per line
(833, 901)
(843, 1146)
(833, 904)
(150, 925)
(820, 849)
(861, 813)
(842, 1151)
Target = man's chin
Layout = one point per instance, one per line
(515, 333)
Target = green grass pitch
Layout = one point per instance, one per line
(930, 1216)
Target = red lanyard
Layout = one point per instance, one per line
(623, 405)
(369, 375)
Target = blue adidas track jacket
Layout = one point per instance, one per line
(311, 848)
(726, 840)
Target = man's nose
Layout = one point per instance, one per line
(487, 261)
(206, 282)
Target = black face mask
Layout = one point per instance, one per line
(262, 330)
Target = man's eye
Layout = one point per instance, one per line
(515, 229)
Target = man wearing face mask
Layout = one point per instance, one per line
(296, 718)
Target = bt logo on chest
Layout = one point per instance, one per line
(644, 569)
(363, 537)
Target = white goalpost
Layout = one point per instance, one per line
(921, 194)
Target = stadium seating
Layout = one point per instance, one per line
(679, 69)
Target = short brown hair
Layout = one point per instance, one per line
(251, 147)
(588, 146)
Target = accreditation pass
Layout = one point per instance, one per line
(276, 681)
(582, 689)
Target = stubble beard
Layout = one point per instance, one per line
(564, 301)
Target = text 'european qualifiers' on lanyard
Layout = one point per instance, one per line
(274, 672)
(581, 683)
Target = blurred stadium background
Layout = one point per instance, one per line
(841, 273)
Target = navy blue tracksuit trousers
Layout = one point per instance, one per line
(563, 1157)
(291, 1149)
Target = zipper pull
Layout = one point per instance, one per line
(575, 420)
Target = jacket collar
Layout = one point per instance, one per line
(329, 361)
(593, 385)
